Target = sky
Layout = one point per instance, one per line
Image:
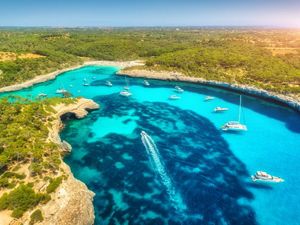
(112, 13)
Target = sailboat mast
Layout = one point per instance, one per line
(240, 108)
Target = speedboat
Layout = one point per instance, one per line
(234, 126)
(178, 89)
(220, 109)
(42, 95)
(86, 84)
(209, 98)
(125, 93)
(61, 91)
(146, 83)
(108, 83)
(174, 97)
(263, 176)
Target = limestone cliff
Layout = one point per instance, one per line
(72, 203)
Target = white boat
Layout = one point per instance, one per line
(61, 91)
(126, 87)
(174, 97)
(235, 125)
(108, 83)
(86, 84)
(220, 109)
(42, 95)
(125, 93)
(265, 177)
(146, 83)
(209, 98)
(178, 89)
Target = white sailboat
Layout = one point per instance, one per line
(126, 87)
(235, 125)
(125, 92)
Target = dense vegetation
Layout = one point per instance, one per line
(265, 58)
(21, 199)
(36, 216)
(27, 157)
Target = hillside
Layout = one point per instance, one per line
(268, 59)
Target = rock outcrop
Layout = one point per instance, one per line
(72, 203)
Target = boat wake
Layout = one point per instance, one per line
(158, 166)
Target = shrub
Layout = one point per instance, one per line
(36, 216)
(21, 199)
(54, 183)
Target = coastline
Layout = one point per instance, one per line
(53, 75)
(292, 102)
(72, 196)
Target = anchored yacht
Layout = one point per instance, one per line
(179, 89)
(174, 97)
(235, 125)
(61, 91)
(220, 109)
(125, 93)
(263, 176)
(108, 83)
(42, 95)
(209, 98)
(146, 83)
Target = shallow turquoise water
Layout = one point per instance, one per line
(195, 174)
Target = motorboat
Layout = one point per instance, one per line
(178, 89)
(125, 93)
(220, 109)
(174, 97)
(265, 177)
(146, 83)
(86, 84)
(209, 98)
(235, 125)
(42, 95)
(108, 83)
(61, 91)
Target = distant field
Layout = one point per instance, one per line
(268, 59)
(11, 56)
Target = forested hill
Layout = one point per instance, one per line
(269, 59)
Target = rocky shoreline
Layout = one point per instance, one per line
(292, 102)
(53, 75)
(72, 202)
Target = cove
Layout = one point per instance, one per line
(208, 171)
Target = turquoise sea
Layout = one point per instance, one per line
(185, 170)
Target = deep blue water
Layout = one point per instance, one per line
(195, 174)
